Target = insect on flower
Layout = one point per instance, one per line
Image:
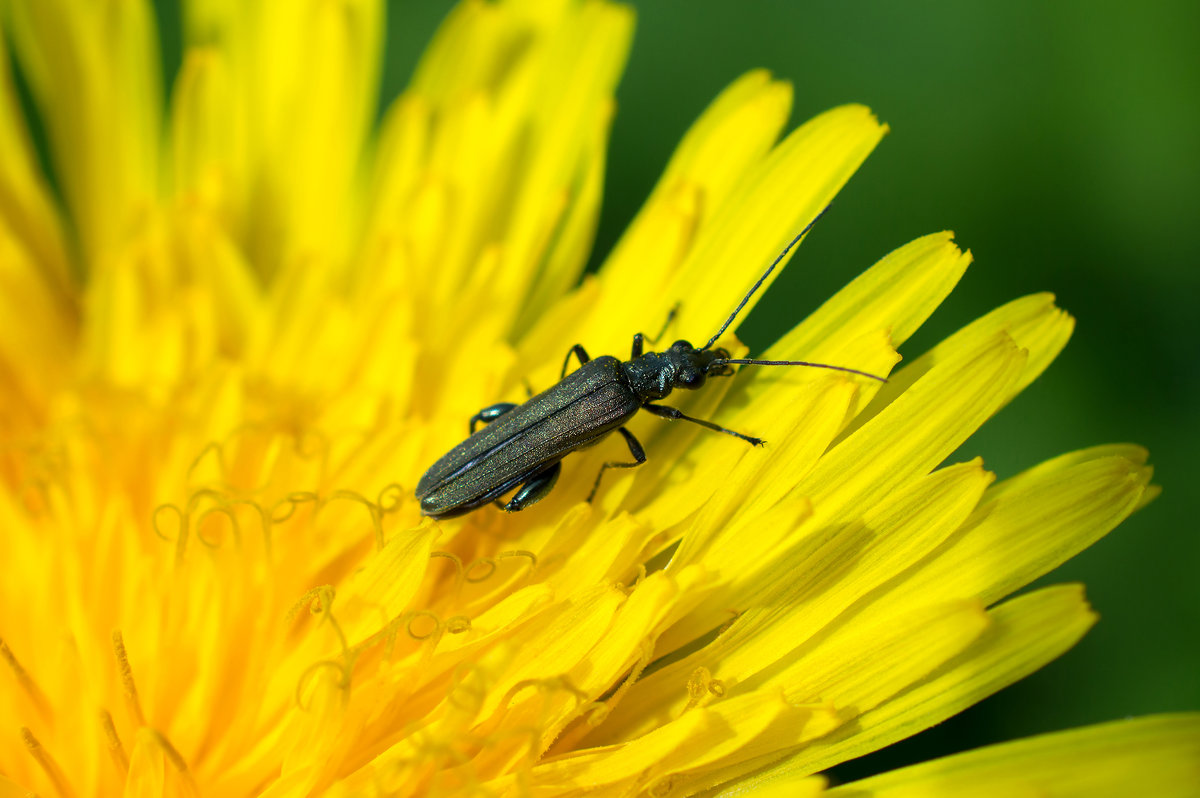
(522, 446)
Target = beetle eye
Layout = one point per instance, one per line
(691, 379)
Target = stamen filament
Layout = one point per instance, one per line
(115, 748)
(131, 692)
(35, 694)
(47, 763)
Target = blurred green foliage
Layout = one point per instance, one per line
(1059, 140)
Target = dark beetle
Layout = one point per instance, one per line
(522, 446)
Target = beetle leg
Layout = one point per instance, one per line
(579, 352)
(534, 489)
(666, 324)
(489, 414)
(635, 448)
(677, 415)
(639, 339)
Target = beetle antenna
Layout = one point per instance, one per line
(747, 362)
(765, 275)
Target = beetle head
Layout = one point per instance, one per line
(691, 367)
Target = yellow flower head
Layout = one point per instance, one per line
(240, 327)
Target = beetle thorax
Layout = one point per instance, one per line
(655, 374)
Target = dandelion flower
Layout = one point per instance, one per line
(243, 323)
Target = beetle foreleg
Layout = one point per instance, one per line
(533, 490)
(579, 352)
(635, 448)
(677, 415)
(489, 414)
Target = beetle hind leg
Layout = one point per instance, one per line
(533, 490)
(635, 449)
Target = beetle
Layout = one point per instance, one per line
(521, 446)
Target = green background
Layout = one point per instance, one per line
(1060, 141)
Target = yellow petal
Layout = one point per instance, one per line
(1025, 634)
(787, 612)
(759, 214)
(561, 640)
(1027, 526)
(627, 644)
(897, 294)
(157, 769)
(765, 210)
(209, 141)
(382, 590)
(26, 206)
(1157, 755)
(290, 130)
(733, 134)
(866, 665)
(524, 97)
(574, 105)
(869, 665)
(764, 558)
(917, 431)
(10, 789)
(94, 72)
(680, 752)
(745, 481)
(38, 339)
(783, 787)
(860, 326)
(1033, 323)
(760, 724)
(877, 664)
